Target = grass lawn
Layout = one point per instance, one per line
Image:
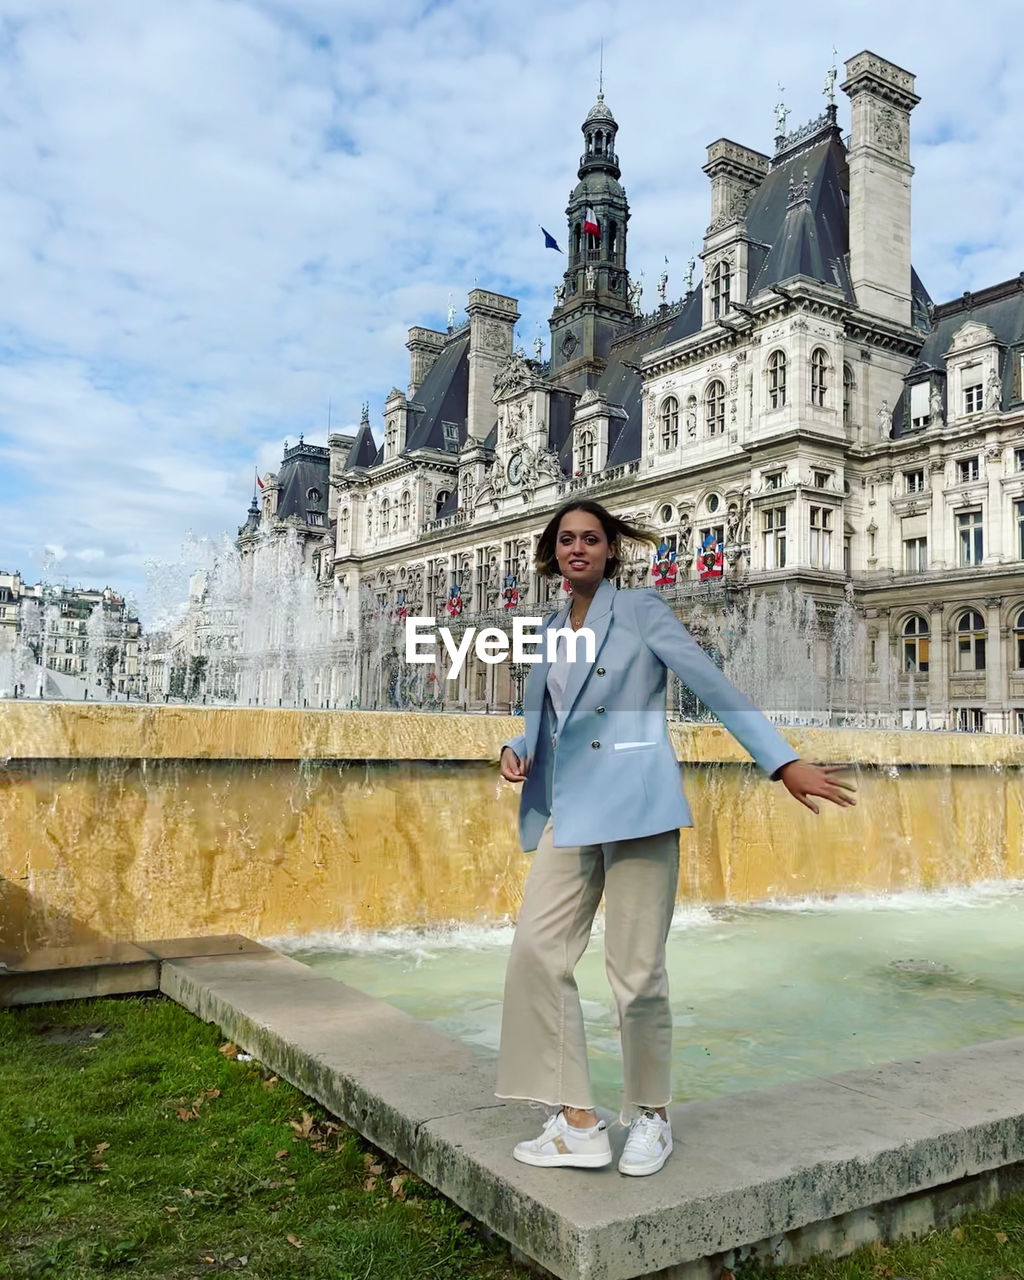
(132, 1140)
(130, 1143)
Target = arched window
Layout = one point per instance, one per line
(714, 408)
(669, 422)
(441, 499)
(847, 395)
(721, 279)
(819, 376)
(369, 522)
(613, 239)
(777, 379)
(405, 506)
(344, 525)
(585, 454)
(915, 644)
(1018, 641)
(385, 517)
(970, 642)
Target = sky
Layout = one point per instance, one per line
(218, 218)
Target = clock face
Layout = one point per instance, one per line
(514, 470)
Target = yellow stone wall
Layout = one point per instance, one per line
(128, 823)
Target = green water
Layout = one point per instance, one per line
(761, 995)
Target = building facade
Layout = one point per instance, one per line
(82, 641)
(805, 419)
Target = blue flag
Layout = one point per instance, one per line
(550, 242)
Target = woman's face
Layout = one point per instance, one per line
(582, 550)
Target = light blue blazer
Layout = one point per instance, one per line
(613, 774)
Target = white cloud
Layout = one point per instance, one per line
(220, 215)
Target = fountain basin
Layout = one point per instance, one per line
(131, 822)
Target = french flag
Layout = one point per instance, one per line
(590, 225)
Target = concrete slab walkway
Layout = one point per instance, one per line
(821, 1165)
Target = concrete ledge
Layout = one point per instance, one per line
(102, 968)
(818, 1164)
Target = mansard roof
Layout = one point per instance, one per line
(444, 395)
(800, 230)
(303, 483)
(363, 452)
(999, 308)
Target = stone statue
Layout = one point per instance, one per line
(663, 284)
(538, 348)
(781, 113)
(935, 406)
(636, 291)
(993, 391)
(591, 276)
(884, 421)
(691, 417)
(559, 294)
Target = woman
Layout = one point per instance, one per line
(602, 806)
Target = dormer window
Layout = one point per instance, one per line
(920, 406)
(450, 435)
(973, 396)
(313, 495)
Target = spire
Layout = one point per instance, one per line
(599, 130)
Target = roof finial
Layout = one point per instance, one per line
(781, 112)
(600, 78)
(365, 420)
(830, 80)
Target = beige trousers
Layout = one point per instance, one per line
(543, 1055)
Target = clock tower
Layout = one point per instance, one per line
(592, 304)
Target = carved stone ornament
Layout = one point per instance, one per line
(971, 334)
(512, 378)
(496, 337)
(588, 397)
(890, 130)
(569, 344)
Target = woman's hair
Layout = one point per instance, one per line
(615, 530)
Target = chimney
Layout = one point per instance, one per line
(492, 322)
(881, 100)
(424, 345)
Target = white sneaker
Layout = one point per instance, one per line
(648, 1146)
(561, 1145)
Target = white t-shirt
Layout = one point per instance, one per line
(558, 673)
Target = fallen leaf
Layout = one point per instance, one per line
(103, 1181)
(187, 1113)
(282, 1154)
(170, 1208)
(304, 1127)
(96, 1154)
(957, 1233)
(1002, 1237)
(269, 1083)
(229, 1050)
(210, 1093)
(375, 1169)
(369, 1184)
(294, 1240)
(398, 1186)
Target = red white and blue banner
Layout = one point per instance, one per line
(664, 569)
(590, 223)
(401, 612)
(454, 603)
(709, 558)
(510, 592)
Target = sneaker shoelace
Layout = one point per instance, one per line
(646, 1129)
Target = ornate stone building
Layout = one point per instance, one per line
(803, 418)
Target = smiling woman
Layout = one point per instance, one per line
(602, 806)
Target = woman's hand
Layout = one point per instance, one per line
(511, 768)
(802, 779)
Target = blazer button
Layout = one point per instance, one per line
(595, 744)
(599, 711)
(600, 671)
